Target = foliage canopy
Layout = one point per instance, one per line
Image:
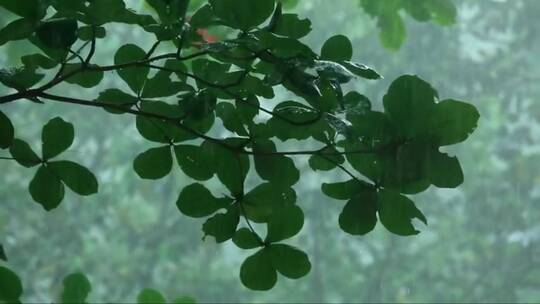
(181, 99)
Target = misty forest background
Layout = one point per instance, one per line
(482, 241)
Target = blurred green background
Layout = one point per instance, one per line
(483, 239)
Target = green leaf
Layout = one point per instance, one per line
(3, 255)
(104, 11)
(263, 200)
(284, 47)
(408, 102)
(150, 296)
(85, 78)
(10, 286)
(231, 118)
(17, 30)
(135, 77)
(257, 271)
(248, 108)
(76, 288)
(199, 105)
(56, 137)
(246, 239)
(338, 126)
(327, 160)
(38, 61)
(337, 48)
(165, 32)
(333, 71)
(87, 33)
(243, 14)
(302, 83)
(374, 129)
(278, 12)
(128, 16)
(78, 178)
(222, 226)
(161, 84)
(406, 167)
(155, 163)
(7, 132)
(58, 55)
(68, 7)
(59, 33)
(31, 9)
(209, 70)
(344, 190)
(23, 154)
(276, 169)
(417, 10)
(46, 188)
(397, 211)
(193, 162)
(374, 166)
(20, 78)
(355, 103)
(361, 70)
(359, 214)
(452, 121)
(231, 168)
(330, 96)
(393, 31)
(444, 11)
(397, 165)
(292, 26)
(289, 261)
(289, 4)
(203, 17)
(285, 223)
(444, 171)
(309, 121)
(118, 98)
(169, 11)
(197, 201)
(158, 130)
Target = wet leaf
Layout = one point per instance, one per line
(58, 33)
(78, 178)
(76, 288)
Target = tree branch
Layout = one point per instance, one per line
(175, 121)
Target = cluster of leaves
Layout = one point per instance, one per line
(48, 185)
(391, 24)
(75, 289)
(394, 152)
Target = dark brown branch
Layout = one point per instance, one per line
(177, 122)
(173, 120)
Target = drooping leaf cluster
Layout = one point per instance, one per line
(391, 23)
(394, 152)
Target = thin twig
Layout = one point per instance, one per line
(92, 48)
(152, 49)
(346, 171)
